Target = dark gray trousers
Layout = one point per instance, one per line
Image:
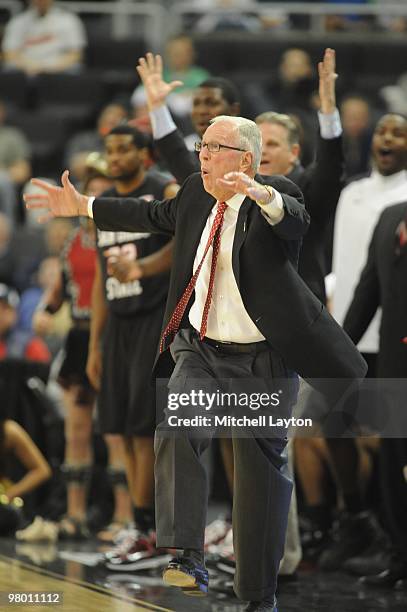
(262, 485)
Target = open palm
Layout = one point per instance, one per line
(150, 70)
(63, 201)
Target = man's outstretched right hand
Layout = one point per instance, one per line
(63, 201)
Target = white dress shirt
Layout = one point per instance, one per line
(228, 320)
(357, 214)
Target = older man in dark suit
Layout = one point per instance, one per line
(243, 312)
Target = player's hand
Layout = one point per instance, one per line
(42, 323)
(122, 268)
(94, 367)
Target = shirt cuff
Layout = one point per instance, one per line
(330, 124)
(162, 122)
(273, 212)
(90, 206)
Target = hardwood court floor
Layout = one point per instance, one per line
(70, 569)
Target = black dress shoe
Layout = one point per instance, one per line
(190, 576)
(396, 572)
(265, 605)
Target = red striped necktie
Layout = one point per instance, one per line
(176, 317)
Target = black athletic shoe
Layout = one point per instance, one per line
(191, 577)
(262, 606)
(352, 536)
(395, 573)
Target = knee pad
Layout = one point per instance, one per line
(78, 474)
(117, 477)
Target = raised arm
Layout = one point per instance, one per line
(326, 174)
(150, 69)
(168, 139)
(280, 203)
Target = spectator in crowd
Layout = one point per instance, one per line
(15, 166)
(229, 15)
(359, 207)
(32, 243)
(215, 96)
(15, 342)
(179, 67)
(395, 96)
(292, 89)
(21, 251)
(45, 278)
(8, 255)
(389, 21)
(16, 443)
(349, 21)
(383, 283)
(82, 144)
(356, 115)
(14, 150)
(44, 38)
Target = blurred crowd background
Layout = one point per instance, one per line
(72, 78)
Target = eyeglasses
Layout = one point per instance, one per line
(214, 147)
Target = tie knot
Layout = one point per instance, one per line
(222, 206)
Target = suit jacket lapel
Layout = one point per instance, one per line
(240, 235)
(199, 213)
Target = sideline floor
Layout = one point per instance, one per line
(67, 568)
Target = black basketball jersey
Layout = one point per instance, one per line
(126, 299)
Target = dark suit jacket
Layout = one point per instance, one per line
(321, 184)
(264, 260)
(383, 282)
(180, 161)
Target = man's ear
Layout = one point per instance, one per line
(246, 161)
(144, 154)
(295, 153)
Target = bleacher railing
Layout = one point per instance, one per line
(168, 16)
(317, 11)
(156, 17)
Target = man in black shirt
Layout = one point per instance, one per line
(128, 299)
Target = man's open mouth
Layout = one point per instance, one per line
(385, 152)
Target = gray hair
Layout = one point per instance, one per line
(286, 121)
(249, 136)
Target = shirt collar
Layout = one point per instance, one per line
(392, 180)
(236, 201)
